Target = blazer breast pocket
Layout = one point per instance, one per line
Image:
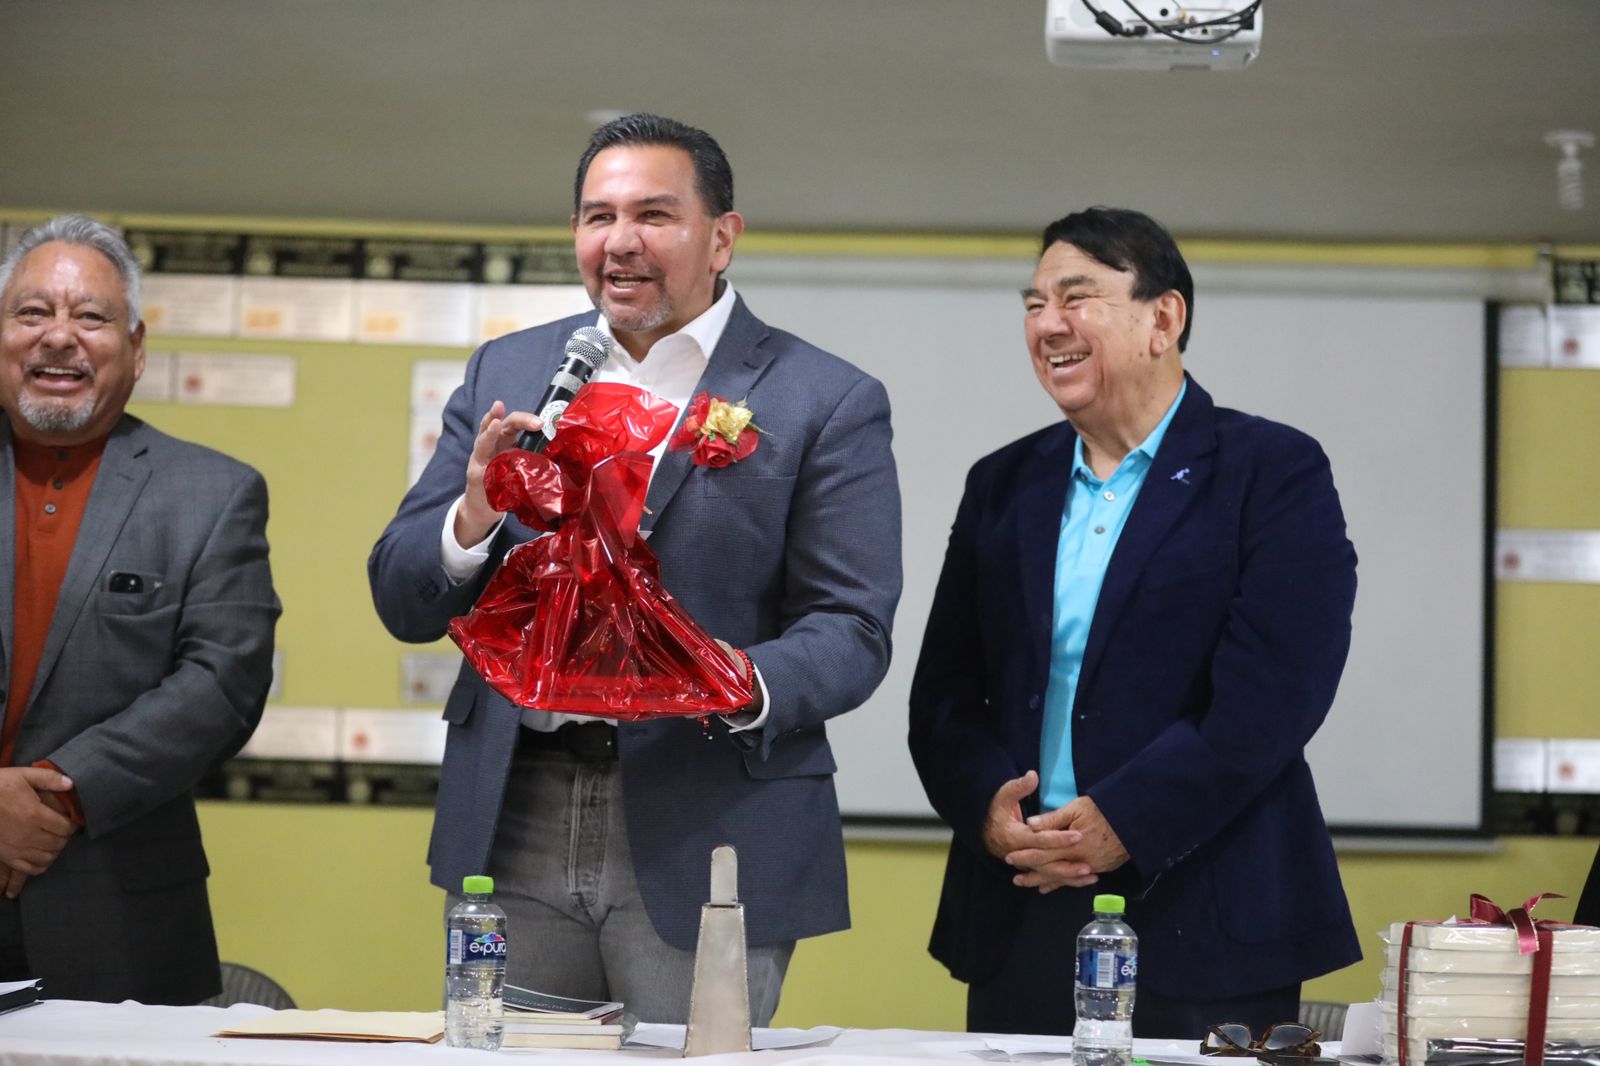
(720, 483)
(744, 508)
(1209, 565)
(133, 592)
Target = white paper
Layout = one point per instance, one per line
(1363, 1030)
(654, 1034)
(1519, 765)
(428, 676)
(414, 312)
(1575, 336)
(505, 309)
(1574, 766)
(424, 440)
(392, 736)
(188, 305)
(156, 384)
(236, 380)
(275, 689)
(1568, 555)
(1524, 336)
(307, 309)
(295, 733)
(432, 382)
(1029, 1045)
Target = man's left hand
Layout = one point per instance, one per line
(1098, 846)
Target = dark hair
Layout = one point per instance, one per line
(713, 177)
(1132, 242)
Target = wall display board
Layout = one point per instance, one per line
(1387, 368)
(1393, 385)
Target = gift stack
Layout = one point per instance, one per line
(540, 1020)
(1494, 982)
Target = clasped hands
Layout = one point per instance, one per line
(34, 825)
(1065, 848)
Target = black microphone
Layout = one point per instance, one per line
(587, 351)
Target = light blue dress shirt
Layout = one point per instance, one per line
(1092, 521)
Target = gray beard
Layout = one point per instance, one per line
(55, 416)
(640, 322)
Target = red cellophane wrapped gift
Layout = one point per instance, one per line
(577, 621)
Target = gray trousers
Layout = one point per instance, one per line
(575, 923)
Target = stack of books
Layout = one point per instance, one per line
(1469, 985)
(540, 1020)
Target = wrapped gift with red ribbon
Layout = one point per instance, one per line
(1533, 937)
(578, 621)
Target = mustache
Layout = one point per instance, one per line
(624, 267)
(79, 365)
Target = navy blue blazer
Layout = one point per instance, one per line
(792, 554)
(1214, 653)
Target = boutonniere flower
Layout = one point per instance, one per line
(719, 432)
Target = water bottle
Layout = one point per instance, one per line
(1108, 963)
(475, 969)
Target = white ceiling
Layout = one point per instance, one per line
(1363, 119)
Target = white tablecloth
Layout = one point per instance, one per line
(130, 1034)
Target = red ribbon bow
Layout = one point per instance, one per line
(1485, 912)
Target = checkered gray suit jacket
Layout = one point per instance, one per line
(137, 695)
(792, 554)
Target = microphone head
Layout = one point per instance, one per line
(590, 345)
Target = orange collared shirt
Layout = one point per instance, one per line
(53, 485)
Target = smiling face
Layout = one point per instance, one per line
(648, 249)
(1105, 358)
(69, 357)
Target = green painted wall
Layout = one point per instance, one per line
(284, 877)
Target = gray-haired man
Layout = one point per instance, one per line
(136, 618)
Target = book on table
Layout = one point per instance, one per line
(583, 1037)
(14, 995)
(540, 1020)
(524, 1004)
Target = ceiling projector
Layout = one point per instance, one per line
(1152, 34)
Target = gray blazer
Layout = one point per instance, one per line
(136, 696)
(792, 554)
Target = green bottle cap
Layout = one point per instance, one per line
(1109, 904)
(480, 885)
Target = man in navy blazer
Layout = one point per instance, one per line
(1142, 619)
(599, 836)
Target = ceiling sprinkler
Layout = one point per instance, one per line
(1569, 168)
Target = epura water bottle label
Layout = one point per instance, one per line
(1106, 969)
(490, 947)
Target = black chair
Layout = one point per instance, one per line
(241, 984)
(1326, 1017)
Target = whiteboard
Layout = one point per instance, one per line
(1393, 382)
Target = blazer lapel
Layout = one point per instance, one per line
(731, 373)
(8, 548)
(1178, 476)
(1040, 505)
(121, 477)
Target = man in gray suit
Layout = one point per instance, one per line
(599, 835)
(136, 617)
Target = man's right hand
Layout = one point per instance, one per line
(1005, 832)
(497, 432)
(32, 833)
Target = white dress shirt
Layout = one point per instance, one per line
(671, 369)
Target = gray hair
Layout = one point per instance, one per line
(89, 233)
